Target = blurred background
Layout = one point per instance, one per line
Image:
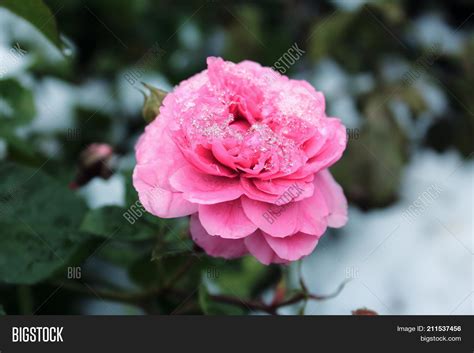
(399, 74)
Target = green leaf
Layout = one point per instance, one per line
(144, 272)
(110, 222)
(20, 150)
(38, 14)
(121, 253)
(176, 271)
(31, 254)
(37, 199)
(131, 195)
(17, 106)
(210, 307)
(240, 278)
(39, 219)
(151, 106)
(175, 241)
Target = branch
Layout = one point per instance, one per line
(131, 298)
(272, 308)
(140, 298)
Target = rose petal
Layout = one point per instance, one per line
(204, 160)
(279, 221)
(248, 185)
(330, 152)
(206, 189)
(258, 247)
(294, 247)
(157, 200)
(308, 215)
(214, 245)
(286, 190)
(334, 197)
(226, 219)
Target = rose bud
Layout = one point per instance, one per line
(364, 312)
(95, 161)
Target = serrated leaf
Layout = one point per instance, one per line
(37, 199)
(38, 14)
(39, 221)
(31, 254)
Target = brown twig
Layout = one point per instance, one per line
(272, 308)
(140, 298)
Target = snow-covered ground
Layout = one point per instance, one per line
(402, 262)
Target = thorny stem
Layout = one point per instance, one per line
(142, 297)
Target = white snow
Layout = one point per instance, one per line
(431, 29)
(99, 192)
(338, 87)
(398, 266)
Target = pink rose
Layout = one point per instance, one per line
(244, 151)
